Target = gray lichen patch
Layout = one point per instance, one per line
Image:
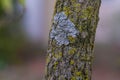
(63, 28)
(80, 1)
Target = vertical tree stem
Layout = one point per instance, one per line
(71, 40)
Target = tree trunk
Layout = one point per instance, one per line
(71, 40)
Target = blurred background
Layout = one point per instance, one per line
(24, 28)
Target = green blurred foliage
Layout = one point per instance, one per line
(22, 2)
(10, 41)
(8, 6)
(1, 9)
(11, 37)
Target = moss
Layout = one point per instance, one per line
(80, 28)
(87, 12)
(73, 78)
(70, 10)
(86, 58)
(67, 10)
(78, 73)
(56, 63)
(54, 67)
(71, 39)
(54, 42)
(72, 51)
(58, 7)
(58, 56)
(61, 77)
(48, 59)
(72, 62)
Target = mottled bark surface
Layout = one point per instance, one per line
(71, 40)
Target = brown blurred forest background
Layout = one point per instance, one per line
(24, 29)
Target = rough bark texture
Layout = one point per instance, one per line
(71, 40)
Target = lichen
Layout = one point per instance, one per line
(80, 1)
(62, 29)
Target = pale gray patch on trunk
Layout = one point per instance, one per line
(80, 1)
(62, 28)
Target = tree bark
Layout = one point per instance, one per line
(71, 40)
